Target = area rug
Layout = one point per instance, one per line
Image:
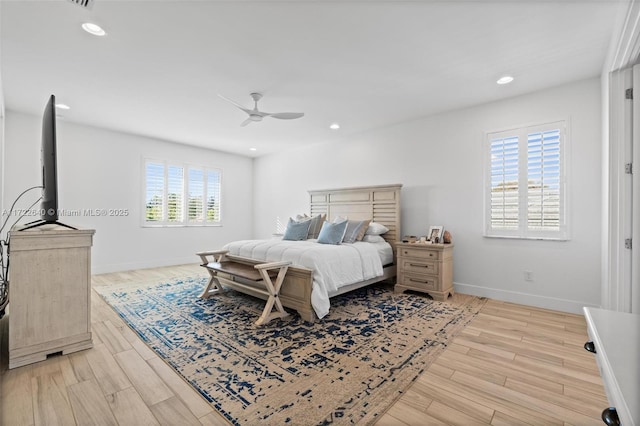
(347, 368)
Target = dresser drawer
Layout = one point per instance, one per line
(419, 266)
(420, 253)
(420, 281)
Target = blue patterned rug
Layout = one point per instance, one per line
(345, 369)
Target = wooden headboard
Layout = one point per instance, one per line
(378, 203)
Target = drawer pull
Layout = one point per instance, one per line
(589, 346)
(417, 265)
(610, 417)
(418, 281)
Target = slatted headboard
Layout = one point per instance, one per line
(379, 203)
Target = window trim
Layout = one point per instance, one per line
(185, 223)
(523, 232)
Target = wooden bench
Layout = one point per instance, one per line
(247, 278)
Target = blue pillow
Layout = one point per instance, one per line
(332, 233)
(296, 231)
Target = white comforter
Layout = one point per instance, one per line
(333, 266)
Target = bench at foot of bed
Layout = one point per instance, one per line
(255, 279)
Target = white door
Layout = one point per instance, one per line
(634, 147)
(624, 124)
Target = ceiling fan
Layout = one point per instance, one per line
(256, 115)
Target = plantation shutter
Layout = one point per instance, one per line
(196, 195)
(544, 180)
(175, 190)
(154, 192)
(504, 198)
(180, 194)
(526, 182)
(213, 196)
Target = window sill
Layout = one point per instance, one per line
(517, 237)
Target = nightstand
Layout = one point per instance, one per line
(425, 267)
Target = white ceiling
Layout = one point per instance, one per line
(362, 64)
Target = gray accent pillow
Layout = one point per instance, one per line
(316, 226)
(355, 229)
(332, 233)
(363, 230)
(296, 231)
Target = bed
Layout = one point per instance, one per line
(310, 280)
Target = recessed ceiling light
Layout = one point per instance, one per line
(63, 106)
(334, 126)
(253, 149)
(94, 29)
(505, 79)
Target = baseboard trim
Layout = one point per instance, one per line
(563, 305)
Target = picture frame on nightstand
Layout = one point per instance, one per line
(435, 234)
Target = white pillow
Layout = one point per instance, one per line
(339, 219)
(376, 228)
(302, 218)
(372, 239)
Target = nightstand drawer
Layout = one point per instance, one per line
(419, 266)
(420, 253)
(420, 281)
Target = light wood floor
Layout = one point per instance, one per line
(513, 364)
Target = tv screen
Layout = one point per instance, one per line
(49, 205)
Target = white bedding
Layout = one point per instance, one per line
(333, 266)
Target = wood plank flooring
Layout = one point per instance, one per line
(513, 364)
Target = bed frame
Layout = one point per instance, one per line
(379, 203)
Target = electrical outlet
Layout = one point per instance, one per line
(528, 276)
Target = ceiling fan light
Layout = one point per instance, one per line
(256, 115)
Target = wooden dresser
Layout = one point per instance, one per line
(425, 267)
(615, 341)
(50, 293)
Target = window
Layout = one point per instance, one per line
(525, 191)
(178, 194)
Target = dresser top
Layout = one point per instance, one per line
(425, 245)
(616, 336)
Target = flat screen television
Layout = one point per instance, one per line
(49, 165)
(49, 205)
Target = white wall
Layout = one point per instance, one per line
(438, 160)
(102, 169)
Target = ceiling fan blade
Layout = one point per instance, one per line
(248, 111)
(245, 122)
(287, 115)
